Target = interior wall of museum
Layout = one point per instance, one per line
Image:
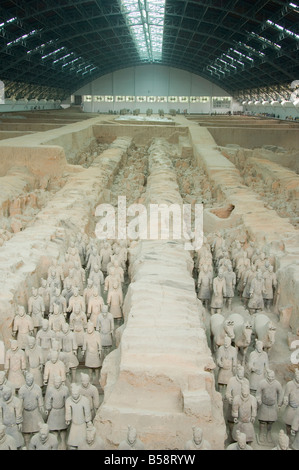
(152, 80)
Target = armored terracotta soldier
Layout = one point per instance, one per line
(22, 327)
(58, 299)
(219, 292)
(7, 442)
(240, 444)
(79, 274)
(32, 402)
(230, 284)
(77, 416)
(95, 306)
(70, 349)
(43, 440)
(249, 275)
(227, 363)
(97, 277)
(11, 416)
(44, 292)
(45, 338)
(5, 383)
(244, 411)
(283, 441)
(93, 441)
(258, 362)
(53, 283)
(204, 284)
(291, 400)
(105, 254)
(270, 281)
(56, 318)
(15, 365)
(131, 442)
(67, 292)
(257, 290)
(92, 349)
(269, 397)
(55, 408)
(197, 442)
(88, 292)
(78, 324)
(35, 360)
(115, 302)
(91, 392)
(76, 300)
(36, 309)
(54, 367)
(233, 389)
(58, 270)
(105, 325)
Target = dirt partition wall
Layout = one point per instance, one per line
(254, 138)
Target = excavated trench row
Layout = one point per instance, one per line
(159, 379)
(26, 258)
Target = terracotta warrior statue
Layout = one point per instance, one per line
(91, 392)
(15, 365)
(22, 327)
(233, 389)
(269, 397)
(115, 302)
(230, 284)
(283, 441)
(131, 442)
(77, 416)
(197, 442)
(92, 349)
(54, 367)
(258, 362)
(204, 284)
(69, 348)
(105, 325)
(291, 400)
(7, 442)
(256, 292)
(43, 440)
(93, 441)
(55, 409)
(32, 404)
(45, 338)
(244, 411)
(219, 292)
(227, 363)
(241, 443)
(11, 416)
(36, 309)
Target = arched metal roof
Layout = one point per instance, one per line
(237, 44)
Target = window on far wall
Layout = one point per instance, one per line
(141, 99)
(221, 102)
(109, 99)
(162, 99)
(99, 99)
(88, 98)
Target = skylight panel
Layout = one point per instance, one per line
(145, 19)
(284, 30)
